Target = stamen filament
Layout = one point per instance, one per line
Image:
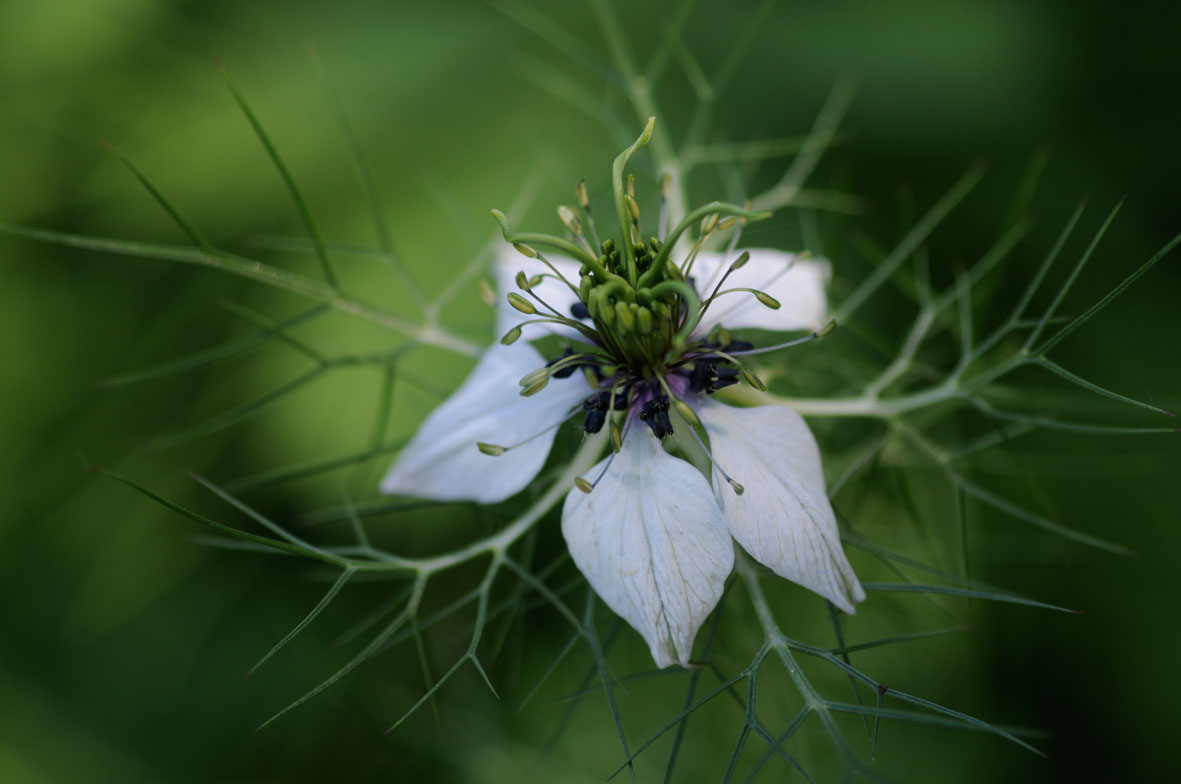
(721, 208)
(550, 307)
(687, 267)
(825, 330)
(713, 295)
(548, 240)
(584, 204)
(570, 360)
(737, 488)
(724, 268)
(584, 242)
(761, 296)
(611, 411)
(496, 450)
(681, 406)
(771, 281)
(541, 257)
(586, 486)
(586, 331)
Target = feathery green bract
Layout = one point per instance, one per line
(305, 214)
(177, 216)
(251, 270)
(916, 391)
(956, 591)
(381, 221)
(225, 352)
(321, 605)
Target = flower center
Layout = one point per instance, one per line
(636, 323)
(638, 310)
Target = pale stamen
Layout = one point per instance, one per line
(515, 332)
(547, 306)
(737, 488)
(561, 364)
(825, 330)
(708, 225)
(770, 282)
(729, 250)
(541, 257)
(762, 296)
(681, 406)
(523, 305)
(496, 450)
(586, 486)
(574, 228)
(584, 203)
(695, 319)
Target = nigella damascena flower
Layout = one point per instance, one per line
(646, 328)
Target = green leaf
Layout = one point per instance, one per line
(1106, 300)
(251, 270)
(997, 502)
(288, 547)
(376, 206)
(1046, 423)
(820, 138)
(1070, 279)
(177, 216)
(954, 719)
(949, 590)
(369, 650)
(311, 616)
(1062, 372)
(291, 473)
(915, 237)
(301, 205)
(235, 415)
(223, 352)
(897, 638)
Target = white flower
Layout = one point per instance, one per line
(654, 536)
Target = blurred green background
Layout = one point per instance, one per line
(123, 643)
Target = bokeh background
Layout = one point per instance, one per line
(123, 642)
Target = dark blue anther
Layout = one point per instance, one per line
(710, 375)
(655, 415)
(702, 374)
(596, 407)
(726, 376)
(579, 311)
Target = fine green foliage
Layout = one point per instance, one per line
(907, 399)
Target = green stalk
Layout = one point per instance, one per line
(620, 205)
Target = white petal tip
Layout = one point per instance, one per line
(662, 661)
(846, 601)
(652, 543)
(389, 484)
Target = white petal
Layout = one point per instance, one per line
(508, 263)
(797, 284)
(442, 461)
(651, 541)
(783, 518)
